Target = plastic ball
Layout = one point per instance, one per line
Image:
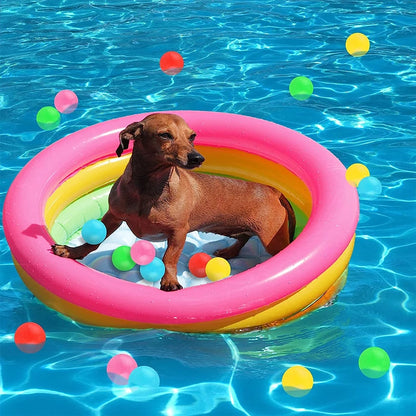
(143, 252)
(374, 362)
(94, 232)
(357, 44)
(120, 367)
(48, 118)
(297, 381)
(197, 264)
(30, 337)
(153, 271)
(355, 173)
(301, 88)
(217, 268)
(171, 63)
(66, 101)
(144, 377)
(121, 259)
(369, 188)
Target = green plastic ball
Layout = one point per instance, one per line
(48, 118)
(121, 259)
(374, 362)
(301, 88)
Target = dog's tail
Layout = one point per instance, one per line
(290, 214)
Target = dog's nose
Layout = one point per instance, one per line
(195, 159)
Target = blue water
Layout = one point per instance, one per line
(240, 57)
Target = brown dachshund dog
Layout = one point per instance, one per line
(158, 196)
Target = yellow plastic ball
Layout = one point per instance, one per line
(357, 44)
(355, 173)
(217, 268)
(297, 381)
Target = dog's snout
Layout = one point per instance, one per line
(195, 159)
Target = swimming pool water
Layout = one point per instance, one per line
(240, 57)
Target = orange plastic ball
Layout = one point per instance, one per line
(171, 63)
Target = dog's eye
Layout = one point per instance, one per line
(192, 138)
(166, 136)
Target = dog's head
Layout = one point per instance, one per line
(166, 137)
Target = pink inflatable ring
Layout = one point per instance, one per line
(304, 276)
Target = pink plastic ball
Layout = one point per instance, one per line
(143, 252)
(120, 367)
(66, 101)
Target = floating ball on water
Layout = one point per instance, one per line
(357, 44)
(374, 362)
(144, 377)
(94, 232)
(48, 118)
(143, 252)
(120, 367)
(369, 188)
(197, 264)
(217, 268)
(301, 88)
(297, 381)
(355, 173)
(66, 101)
(121, 259)
(30, 337)
(171, 63)
(153, 271)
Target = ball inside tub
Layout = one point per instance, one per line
(357, 44)
(144, 377)
(301, 88)
(153, 271)
(374, 362)
(120, 367)
(121, 259)
(369, 188)
(30, 337)
(66, 101)
(94, 232)
(355, 173)
(48, 118)
(217, 268)
(297, 381)
(143, 252)
(171, 63)
(197, 264)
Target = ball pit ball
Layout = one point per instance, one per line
(30, 337)
(48, 118)
(297, 381)
(171, 63)
(374, 362)
(121, 259)
(94, 232)
(301, 88)
(120, 367)
(369, 188)
(217, 268)
(143, 252)
(355, 173)
(153, 271)
(66, 101)
(357, 44)
(197, 264)
(144, 377)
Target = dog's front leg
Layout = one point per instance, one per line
(176, 242)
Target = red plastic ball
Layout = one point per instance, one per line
(197, 264)
(30, 337)
(171, 63)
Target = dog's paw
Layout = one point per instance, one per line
(227, 253)
(61, 251)
(170, 286)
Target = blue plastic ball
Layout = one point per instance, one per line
(369, 188)
(94, 232)
(144, 377)
(153, 271)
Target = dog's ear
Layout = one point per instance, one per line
(131, 132)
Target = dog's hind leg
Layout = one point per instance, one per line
(233, 250)
(277, 242)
